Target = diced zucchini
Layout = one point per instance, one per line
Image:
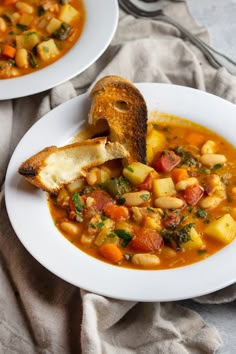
(68, 13)
(163, 187)
(222, 229)
(47, 50)
(196, 241)
(53, 25)
(136, 172)
(27, 40)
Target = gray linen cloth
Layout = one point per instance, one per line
(40, 313)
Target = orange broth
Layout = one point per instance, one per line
(166, 134)
(36, 33)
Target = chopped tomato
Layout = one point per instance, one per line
(147, 184)
(166, 161)
(101, 199)
(146, 240)
(193, 194)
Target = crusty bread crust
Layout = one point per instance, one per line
(53, 167)
(121, 104)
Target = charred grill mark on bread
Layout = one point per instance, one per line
(120, 103)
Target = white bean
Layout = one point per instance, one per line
(136, 198)
(211, 160)
(182, 185)
(24, 7)
(21, 58)
(210, 202)
(145, 260)
(168, 203)
(70, 228)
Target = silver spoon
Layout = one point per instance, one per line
(215, 58)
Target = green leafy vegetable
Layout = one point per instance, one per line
(177, 236)
(144, 196)
(187, 157)
(124, 235)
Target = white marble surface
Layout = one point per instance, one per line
(220, 18)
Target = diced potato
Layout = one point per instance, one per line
(47, 50)
(68, 13)
(114, 239)
(151, 223)
(155, 142)
(136, 172)
(26, 19)
(163, 187)
(222, 229)
(27, 40)
(86, 239)
(75, 186)
(122, 225)
(196, 241)
(53, 25)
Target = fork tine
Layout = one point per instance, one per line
(136, 11)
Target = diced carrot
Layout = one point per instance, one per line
(111, 252)
(147, 184)
(178, 174)
(167, 161)
(116, 212)
(195, 139)
(8, 51)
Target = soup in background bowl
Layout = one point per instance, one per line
(34, 34)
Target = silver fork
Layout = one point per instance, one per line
(215, 58)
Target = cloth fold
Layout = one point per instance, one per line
(40, 313)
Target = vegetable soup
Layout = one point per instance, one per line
(176, 210)
(36, 33)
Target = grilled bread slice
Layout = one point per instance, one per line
(53, 167)
(118, 102)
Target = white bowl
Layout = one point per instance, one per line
(99, 29)
(28, 211)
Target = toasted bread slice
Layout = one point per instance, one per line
(53, 167)
(120, 103)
